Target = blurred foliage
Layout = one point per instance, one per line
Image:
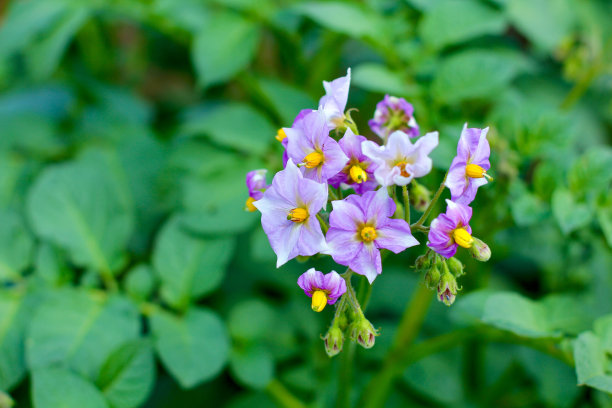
(131, 276)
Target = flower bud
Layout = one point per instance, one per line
(480, 251)
(363, 332)
(456, 267)
(5, 400)
(333, 340)
(432, 278)
(420, 196)
(422, 263)
(447, 288)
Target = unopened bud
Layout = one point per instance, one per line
(455, 266)
(420, 196)
(333, 340)
(447, 288)
(5, 400)
(422, 263)
(363, 332)
(480, 251)
(432, 278)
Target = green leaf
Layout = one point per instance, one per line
(140, 282)
(286, 100)
(378, 78)
(436, 372)
(591, 173)
(224, 46)
(475, 74)
(589, 356)
(570, 215)
(193, 348)
(14, 316)
(78, 207)
(16, 245)
(440, 26)
(513, 312)
(252, 366)
(79, 330)
(58, 387)
(233, 125)
(251, 320)
(127, 377)
(189, 266)
(604, 216)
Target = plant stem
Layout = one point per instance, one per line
(343, 399)
(324, 225)
(375, 393)
(581, 87)
(332, 193)
(406, 204)
(282, 395)
(431, 204)
(364, 293)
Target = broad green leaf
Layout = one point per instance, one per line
(286, 100)
(475, 74)
(187, 14)
(589, 356)
(193, 348)
(79, 330)
(233, 125)
(223, 47)
(252, 366)
(189, 266)
(378, 78)
(513, 312)
(450, 22)
(436, 372)
(198, 158)
(14, 316)
(127, 377)
(57, 387)
(140, 282)
(78, 207)
(604, 216)
(591, 173)
(527, 208)
(42, 140)
(5, 400)
(251, 320)
(569, 214)
(16, 245)
(51, 265)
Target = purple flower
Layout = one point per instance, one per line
(256, 183)
(323, 289)
(450, 230)
(468, 169)
(400, 161)
(360, 225)
(289, 214)
(393, 114)
(281, 136)
(309, 144)
(359, 171)
(333, 103)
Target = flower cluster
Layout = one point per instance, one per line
(326, 161)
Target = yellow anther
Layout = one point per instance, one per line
(249, 205)
(313, 159)
(358, 175)
(475, 171)
(402, 166)
(297, 215)
(368, 234)
(280, 135)
(463, 238)
(319, 300)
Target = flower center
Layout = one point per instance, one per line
(249, 205)
(313, 159)
(463, 238)
(368, 234)
(319, 300)
(475, 171)
(280, 135)
(297, 215)
(402, 166)
(358, 175)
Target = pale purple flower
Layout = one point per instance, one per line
(468, 169)
(289, 210)
(359, 171)
(256, 183)
(400, 161)
(393, 113)
(332, 284)
(360, 225)
(450, 230)
(319, 156)
(333, 103)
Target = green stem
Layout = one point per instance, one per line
(364, 293)
(345, 376)
(581, 87)
(431, 204)
(282, 395)
(406, 203)
(324, 225)
(332, 193)
(375, 393)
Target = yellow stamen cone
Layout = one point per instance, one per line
(249, 205)
(297, 215)
(280, 135)
(313, 159)
(319, 300)
(368, 234)
(463, 238)
(358, 175)
(475, 171)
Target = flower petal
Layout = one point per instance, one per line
(343, 245)
(367, 262)
(395, 236)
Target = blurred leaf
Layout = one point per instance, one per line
(591, 362)
(194, 348)
(440, 27)
(378, 78)
(187, 14)
(16, 246)
(77, 330)
(510, 311)
(475, 74)
(57, 387)
(527, 209)
(51, 265)
(569, 214)
(14, 316)
(437, 372)
(591, 173)
(127, 377)
(76, 206)
(251, 320)
(41, 134)
(604, 216)
(189, 266)
(233, 125)
(49, 101)
(286, 100)
(140, 282)
(252, 366)
(603, 329)
(224, 46)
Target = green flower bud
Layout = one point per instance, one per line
(432, 277)
(422, 263)
(363, 332)
(5, 400)
(420, 196)
(447, 288)
(456, 267)
(333, 340)
(480, 251)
